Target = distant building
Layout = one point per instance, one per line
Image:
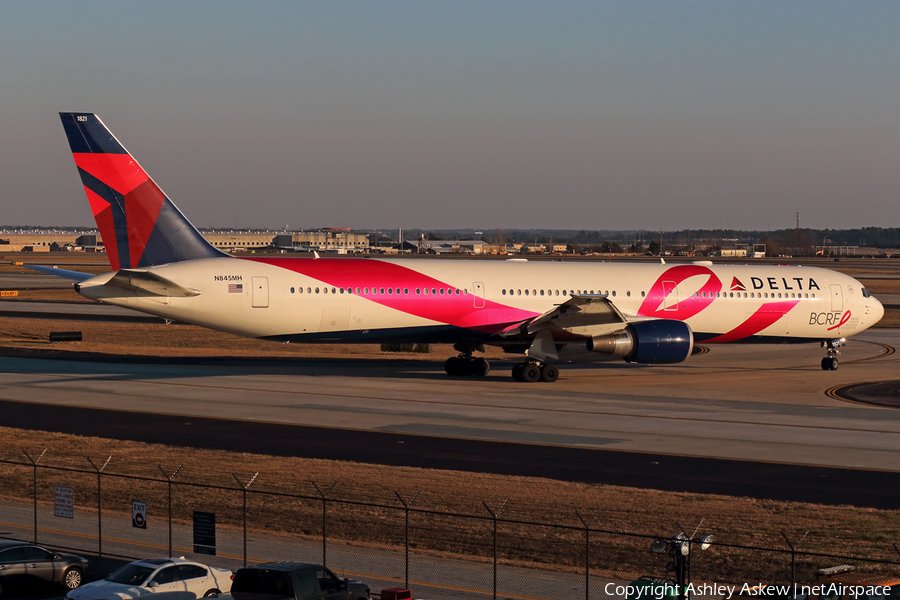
(452, 246)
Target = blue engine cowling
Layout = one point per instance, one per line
(659, 342)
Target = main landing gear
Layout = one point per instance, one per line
(830, 362)
(465, 364)
(531, 371)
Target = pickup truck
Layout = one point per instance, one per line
(294, 581)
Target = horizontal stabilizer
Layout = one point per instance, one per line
(145, 283)
(72, 275)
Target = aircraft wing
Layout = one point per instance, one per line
(585, 316)
(582, 315)
(579, 314)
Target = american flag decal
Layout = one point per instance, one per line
(235, 288)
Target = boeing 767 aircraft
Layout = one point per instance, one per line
(549, 312)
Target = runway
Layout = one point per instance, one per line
(740, 420)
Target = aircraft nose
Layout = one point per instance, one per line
(877, 311)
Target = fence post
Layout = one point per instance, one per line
(324, 519)
(169, 479)
(587, 551)
(34, 464)
(99, 504)
(406, 506)
(793, 560)
(252, 479)
(494, 517)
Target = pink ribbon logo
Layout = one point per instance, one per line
(844, 319)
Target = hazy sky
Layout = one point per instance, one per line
(464, 114)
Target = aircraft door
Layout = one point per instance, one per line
(479, 294)
(670, 295)
(260, 292)
(837, 298)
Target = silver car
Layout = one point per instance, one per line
(24, 565)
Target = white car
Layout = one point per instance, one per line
(169, 578)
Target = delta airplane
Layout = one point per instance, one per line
(550, 312)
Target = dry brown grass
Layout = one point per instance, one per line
(881, 286)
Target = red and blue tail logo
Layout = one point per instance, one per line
(139, 225)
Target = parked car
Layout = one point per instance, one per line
(294, 581)
(176, 578)
(25, 565)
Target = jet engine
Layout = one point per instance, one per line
(656, 342)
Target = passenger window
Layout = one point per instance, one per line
(628, 293)
(292, 290)
(327, 581)
(317, 290)
(418, 291)
(342, 290)
(309, 290)
(189, 572)
(614, 293)
(165, 576)
(36, 554)
(12, 555)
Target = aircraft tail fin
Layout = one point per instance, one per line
(139, 225)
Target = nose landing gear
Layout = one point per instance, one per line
(830, 362)
(531, 371)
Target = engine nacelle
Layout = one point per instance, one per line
(656, 342)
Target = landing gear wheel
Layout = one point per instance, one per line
(517, 371)
(549, 373)
(454, 366)
(479, 367)
(830, 363)
(531, 373)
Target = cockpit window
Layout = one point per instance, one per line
(866, 293)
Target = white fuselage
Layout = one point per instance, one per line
(434, 300)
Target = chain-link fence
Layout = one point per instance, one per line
(387, 543)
